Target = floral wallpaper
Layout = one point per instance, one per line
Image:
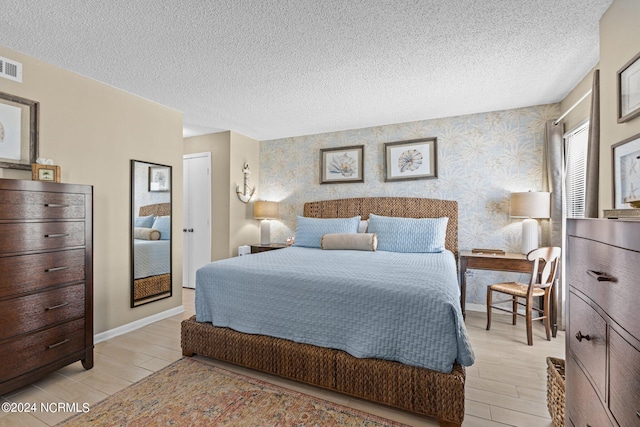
(482, 158)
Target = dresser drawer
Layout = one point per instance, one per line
(28, 273)
(583, 408)
(587, 259)
(587, 336)
(31, 312)
(624, 382)
(30, 352)
(32, 236)
(40, 205)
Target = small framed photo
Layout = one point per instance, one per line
(626, 173)
(18, 132)
(629, 90)
(49, 173)
(159, 179)
(413, 159)
(342, 165)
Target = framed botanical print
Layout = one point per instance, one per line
(159, 178)
(18, 132)
(626, 173)
(413, 159)
(342, 165)
(629, 90)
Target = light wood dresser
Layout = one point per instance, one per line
(603, 332)
(46, 279)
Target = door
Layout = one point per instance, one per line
(196, 230)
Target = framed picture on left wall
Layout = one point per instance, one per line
(18, 132)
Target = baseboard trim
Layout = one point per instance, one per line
(120, 330)
(476, 307)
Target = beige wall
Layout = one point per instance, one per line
(581, 111)
(218, 145)
(244, 230)
(619, 42)
(233, 223)
(92, 130)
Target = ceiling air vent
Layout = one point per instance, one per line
(11, 70)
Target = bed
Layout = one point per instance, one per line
(151, 256)
(390, 371)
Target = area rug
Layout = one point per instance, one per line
(193, 393)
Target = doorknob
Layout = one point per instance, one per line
(184, 230)
(190, 230)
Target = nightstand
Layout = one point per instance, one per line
(258, 247)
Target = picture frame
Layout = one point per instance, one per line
(18, 132)
(411, 160)
(49, 173)
(629, 90)
(159, 178)
(342, 165)
(626, 173)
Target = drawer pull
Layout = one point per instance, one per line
(56, 306)
(58, 344)
(49, 270)
(580, 337)
(600, 277)
(55, 205)
(57, 235)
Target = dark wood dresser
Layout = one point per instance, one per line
(603, 332)
(46, 279)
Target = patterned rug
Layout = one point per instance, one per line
(193, 393)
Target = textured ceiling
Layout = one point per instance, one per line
(278, 68)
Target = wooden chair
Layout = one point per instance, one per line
(541, 285)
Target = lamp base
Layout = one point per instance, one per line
(265, 232)
(529, 235)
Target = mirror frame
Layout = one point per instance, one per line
(132, 206)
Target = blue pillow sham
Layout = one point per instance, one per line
(309, 231)
(144, 221)
(163, 225)
(417, 235)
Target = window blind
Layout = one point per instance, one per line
(576, 144)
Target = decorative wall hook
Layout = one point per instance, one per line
(247, 193)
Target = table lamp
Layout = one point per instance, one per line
(530, 205)
(265, 210)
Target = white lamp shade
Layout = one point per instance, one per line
(530, 204)
(263, 209)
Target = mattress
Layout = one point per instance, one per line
(151, 258)
(403, 307)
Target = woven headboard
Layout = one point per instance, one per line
(159, 209)
(407, 207)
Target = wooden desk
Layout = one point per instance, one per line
(516, 263)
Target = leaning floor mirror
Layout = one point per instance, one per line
(150, 232)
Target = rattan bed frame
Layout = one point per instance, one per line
(419, 390)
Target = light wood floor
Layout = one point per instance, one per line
(505, 386)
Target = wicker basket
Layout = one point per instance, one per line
(555, 390)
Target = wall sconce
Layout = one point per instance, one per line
(530, 205)
(265, 211)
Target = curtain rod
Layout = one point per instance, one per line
(572, 107)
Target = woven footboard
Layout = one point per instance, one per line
(413, 389)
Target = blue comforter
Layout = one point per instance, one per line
(396, 306)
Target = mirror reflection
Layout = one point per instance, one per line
(150, 232)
